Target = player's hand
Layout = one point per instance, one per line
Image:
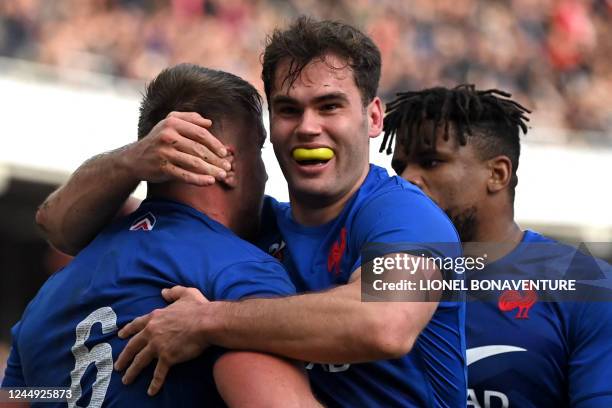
(169, 335)
(180, 147)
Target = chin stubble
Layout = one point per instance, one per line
(465, 221)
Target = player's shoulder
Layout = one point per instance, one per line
(536, 251)
(380, 188)
(550, 258)
(168, 224)
(162, 216)
(530, 236)
(383, 196)
(154, 228)
(536, 248)
(155, 218)
(273, 210)
(165, 222)
(239, 251)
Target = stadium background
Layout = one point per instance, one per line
(71, 73)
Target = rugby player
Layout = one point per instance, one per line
(321, 80)
(73, 321)
(461, 146)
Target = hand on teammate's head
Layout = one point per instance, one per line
(179, 148)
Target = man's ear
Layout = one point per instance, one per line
(231, 180)
(375, 117)
(500, 168)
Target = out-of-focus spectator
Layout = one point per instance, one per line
(554, 55)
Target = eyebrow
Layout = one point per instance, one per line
(332, 96)
(282, 99)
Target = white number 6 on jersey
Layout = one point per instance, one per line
(101, 354)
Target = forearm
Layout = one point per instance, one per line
(72, 215)
(332, 327)
(247, 379)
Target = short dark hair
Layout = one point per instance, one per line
(489, 117)
(307, 39)
(216, 95)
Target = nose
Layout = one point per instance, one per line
(412, 174)
(309, 124)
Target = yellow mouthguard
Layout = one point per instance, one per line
(321, 153)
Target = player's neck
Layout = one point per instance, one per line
(311, 216)
(222, 208)
(210, 200)
(311, 210)
(500, 233)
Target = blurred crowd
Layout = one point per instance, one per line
(555, 56)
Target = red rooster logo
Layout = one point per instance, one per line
(336, 252)
(512, 299)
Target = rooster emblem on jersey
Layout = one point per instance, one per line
(512, 299)
(336, 252)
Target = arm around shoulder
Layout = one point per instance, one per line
(73, 214)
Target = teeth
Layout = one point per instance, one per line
(319, 154)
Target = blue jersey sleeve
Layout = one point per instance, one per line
(408, 219)
(13, 376)
(252, 279)
(590, 367)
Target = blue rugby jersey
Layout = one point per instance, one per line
(384, 210)
(67, 336)
(545, 354)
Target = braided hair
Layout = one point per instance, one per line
(489, 117)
